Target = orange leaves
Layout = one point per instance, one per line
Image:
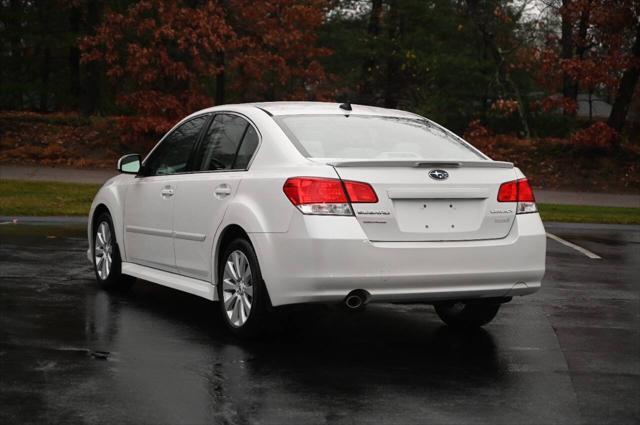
(551, 103)
(476, 131)
(600, 45)
(275, 56)
(162, 56)
(599, 135)
(65, 139)
(499, 13)
(506, 106)
(593, 71)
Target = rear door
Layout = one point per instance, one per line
(149, 203)
(433, 201)
(202, 197)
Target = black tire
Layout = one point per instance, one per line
(467, 314)
(255, 321)
(113, 279)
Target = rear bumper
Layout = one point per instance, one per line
(322, 259)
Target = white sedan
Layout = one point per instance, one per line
(267, 204)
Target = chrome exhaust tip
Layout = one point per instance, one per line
(356, 299)
(353, 302)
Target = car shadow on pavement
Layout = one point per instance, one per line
(330, 362)
(396, 343)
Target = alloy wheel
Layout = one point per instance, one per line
(103, 250)
(237, 288)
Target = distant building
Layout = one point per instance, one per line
(593, 107)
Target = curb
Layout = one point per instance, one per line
(43, 220)
(590, 226)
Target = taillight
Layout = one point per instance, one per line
(325, 196)
(360, 193)
(519, 191)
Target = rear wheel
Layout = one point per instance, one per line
(107, 263)
(467, 314)
(243, 296)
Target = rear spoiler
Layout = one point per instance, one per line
(422, 164)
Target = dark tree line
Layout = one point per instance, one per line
(453, 60)
(40, 57)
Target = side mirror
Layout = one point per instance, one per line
(129, 164)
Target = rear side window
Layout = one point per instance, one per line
(374, 137)
(247, 148)
(228, 145)
(172, 155)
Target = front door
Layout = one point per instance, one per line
(202, 197)
(150, 199)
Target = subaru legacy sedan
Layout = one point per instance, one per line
(270, 204)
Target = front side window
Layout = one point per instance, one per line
(228, 145)
(172, 156)
(373, 137)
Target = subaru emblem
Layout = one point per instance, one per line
(438, 174)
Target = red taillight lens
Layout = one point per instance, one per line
(313, 190)
(525, 192)
(516, 191)
(360, 193)
(322, 196)
(508, 192)
(519, 191)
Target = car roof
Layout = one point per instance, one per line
(327, 108)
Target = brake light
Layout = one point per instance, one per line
(519, 191)
(360, 193)
(525, 192)
(508, 192)
(312, 190)
(325, 196)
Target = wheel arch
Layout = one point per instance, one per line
(102, 208)
(110, 199)
(229, 233)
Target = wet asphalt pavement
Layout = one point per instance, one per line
(71, 353)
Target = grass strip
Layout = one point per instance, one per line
(34, 198)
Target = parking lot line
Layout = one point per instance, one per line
(574, 246)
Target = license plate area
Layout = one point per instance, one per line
(434, 216)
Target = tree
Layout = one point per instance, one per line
(430, 56)
(491, 18)
(159, 55)
(40, 58)
(599, 52)
(627, 88)
(370, 64)
(167, 58)
(275, 55)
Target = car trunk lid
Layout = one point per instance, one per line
(414, 205)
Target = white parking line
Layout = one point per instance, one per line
(6, 222)
(574, 246)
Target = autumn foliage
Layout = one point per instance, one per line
(276, 57)
(521, 68)
(590, 54)
(598, 135)
(166, 58)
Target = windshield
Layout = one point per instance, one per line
(373, 137)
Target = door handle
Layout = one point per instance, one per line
(167, 192)
(222, 191)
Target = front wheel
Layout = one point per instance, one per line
(467, 314)
(243, 296)
(107, 263)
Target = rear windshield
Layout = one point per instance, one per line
(373, 137)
